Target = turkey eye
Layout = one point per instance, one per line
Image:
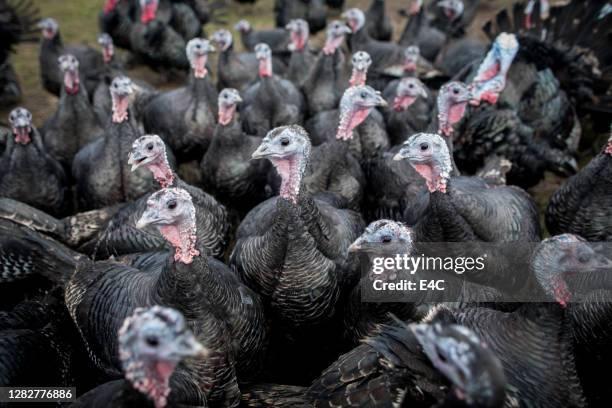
(172, 204)
(284, 142)
(424, 146)
(363, 95)
(386, 239)
(411, 86)
(152, 341)
(150, 146)
(456, 91)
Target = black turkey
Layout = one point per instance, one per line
(75, 123)
(100, 168)
(311, 11)
(52, 47)
(17, 24)
(302, 56)
(328, 77)
(582, 205)
(271, 101)
(277, 39)
(120, 236)
(28, 172)
(227, 168)
(186, 117)
(153, 343)
(222, 312)
(466, 208)
(357, 122)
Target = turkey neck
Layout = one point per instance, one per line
(74, 111)
(318, 227)
(441, 222)
(199, 88)
(441, 121)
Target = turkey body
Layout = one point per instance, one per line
(29, 174)
(229, 172)
(120, 235)
(472, 210)
(146, 280)
(73, 125)
(184, 117)
(582, 204)
(271, 102)
(89, 59)
(102, 172)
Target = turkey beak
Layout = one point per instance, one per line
(345, 29)
(601, 264)
(135, 160)
(401, 155)
(381, 101)
(262, 152)
(148, 217)
(355, 246)
(190, 347)
(423, 92)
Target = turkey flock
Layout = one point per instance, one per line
(204, 246)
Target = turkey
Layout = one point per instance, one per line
(363, 314)
(576, 275)
(277, 39)
(100, 167)
(178, 16)
(39, 332)
(311, 11)
(75, 123)
(28, 172)
(120, 236)
(378, 23)
(395, 189)
(292, 251)
(302, 56)
(357, 123)
(237, 70)
(294, 226)
(52, 47)
(156, 43)
(227, 168)
(156, 348)
(271, 101)
(327, 79)
(223, 313)
(186, 117)
(102, 101)
(17, 24)
(412, 106)
(466, 208)
(429, 365)
(115, 19)
(384, 55)
(582, 204)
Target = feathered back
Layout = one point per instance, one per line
(17, 23)
(573, 40)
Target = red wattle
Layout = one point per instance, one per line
(22, 135)
(401, 103)
(148, 13)
(109, 6)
